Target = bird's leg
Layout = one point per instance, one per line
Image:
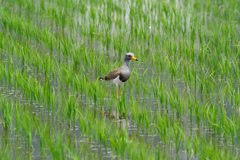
(117, 90)
(121, 91)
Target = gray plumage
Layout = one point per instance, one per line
(122, 74)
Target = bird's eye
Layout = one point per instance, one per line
(129, 56)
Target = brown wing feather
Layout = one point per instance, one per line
(113, 74)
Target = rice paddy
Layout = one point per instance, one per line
(182, 99)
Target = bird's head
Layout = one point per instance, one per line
(130, 56)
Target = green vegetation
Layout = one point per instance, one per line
(182, 98)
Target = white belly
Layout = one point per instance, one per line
(117, 81)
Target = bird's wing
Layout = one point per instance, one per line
(112, 75)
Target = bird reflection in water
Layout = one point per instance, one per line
(119, 118)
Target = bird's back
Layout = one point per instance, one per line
(113, 74)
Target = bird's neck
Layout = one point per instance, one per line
(126, 63)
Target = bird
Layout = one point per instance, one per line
(120, 75)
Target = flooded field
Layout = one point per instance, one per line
(182, 99)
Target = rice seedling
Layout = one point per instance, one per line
(181, 100)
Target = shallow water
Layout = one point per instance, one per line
(52, 115)
(76, 138)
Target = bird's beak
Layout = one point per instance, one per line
(134, 58)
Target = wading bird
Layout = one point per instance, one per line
(122, 74)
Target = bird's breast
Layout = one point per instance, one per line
(124, 76)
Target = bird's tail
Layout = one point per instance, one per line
(101, 78)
